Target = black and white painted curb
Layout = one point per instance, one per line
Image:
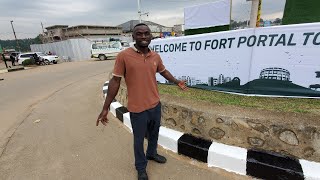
(256, 163)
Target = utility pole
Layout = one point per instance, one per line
(255, 13)
(44, 39)
(14, 33)
(259, 13)
(42, 28)
(139, 11)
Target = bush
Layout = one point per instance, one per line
(28, 62)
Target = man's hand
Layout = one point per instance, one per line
(103, 118)
(182, 85)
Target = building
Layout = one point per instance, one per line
(156, 29)
(63, 32)
(275, 73)
(227, 79)
(210, 81)
(221, 79)
(178, 29)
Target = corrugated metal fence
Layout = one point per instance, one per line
(71, 49)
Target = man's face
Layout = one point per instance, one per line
(142, 36)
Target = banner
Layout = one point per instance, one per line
(273, 61)
(207, 15)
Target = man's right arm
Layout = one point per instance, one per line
(113, 88)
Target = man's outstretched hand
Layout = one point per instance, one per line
(103, 118)
(182, 85)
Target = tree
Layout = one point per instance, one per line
(277, 21)
(23, 43)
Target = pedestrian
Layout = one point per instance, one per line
(12, 58)
(49, 53)
(4, 59)
(36, 59)
(139, 65)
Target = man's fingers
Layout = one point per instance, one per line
(104, 122)
(97, 122)
(183, 86)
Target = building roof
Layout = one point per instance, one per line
(129, 25)
(56, 27)
(94, 26)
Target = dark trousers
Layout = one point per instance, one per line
(146, 123)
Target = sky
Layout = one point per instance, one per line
(27, 15)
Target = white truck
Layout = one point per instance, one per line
(104, 50)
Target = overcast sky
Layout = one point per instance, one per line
(27, 15)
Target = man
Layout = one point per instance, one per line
(12, 58)
(36, 58)
(4, 59)
(138, 65)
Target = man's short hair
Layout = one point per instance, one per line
(140, 24)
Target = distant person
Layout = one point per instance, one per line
(49, 53)
(36, 58)
(139, 65)
(12, 58)
(4, 59)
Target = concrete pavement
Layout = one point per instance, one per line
(48, 130)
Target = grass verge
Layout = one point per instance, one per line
(276, 104)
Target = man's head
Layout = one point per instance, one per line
(142, 35)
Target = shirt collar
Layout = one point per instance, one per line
(136, 50)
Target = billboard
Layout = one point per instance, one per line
(207, 15)
(271, 61)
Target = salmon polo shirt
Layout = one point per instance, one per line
(139, 71)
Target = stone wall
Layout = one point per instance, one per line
(292, 134)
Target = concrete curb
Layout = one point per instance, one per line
(251, 162)
(3, 71)
(11, 69)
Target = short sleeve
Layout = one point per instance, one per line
(160, 67)
(119, 66)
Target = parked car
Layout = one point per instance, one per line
(14, 54)
(42, 56)
(48, 58)
(24, 56)
(7, 53)
(103, 50)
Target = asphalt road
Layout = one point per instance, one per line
(47, 130)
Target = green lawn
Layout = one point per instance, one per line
(277, 104)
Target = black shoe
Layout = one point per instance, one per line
(142, 175)
(158, 158)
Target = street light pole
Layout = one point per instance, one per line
(139, 11)
(15, 35)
